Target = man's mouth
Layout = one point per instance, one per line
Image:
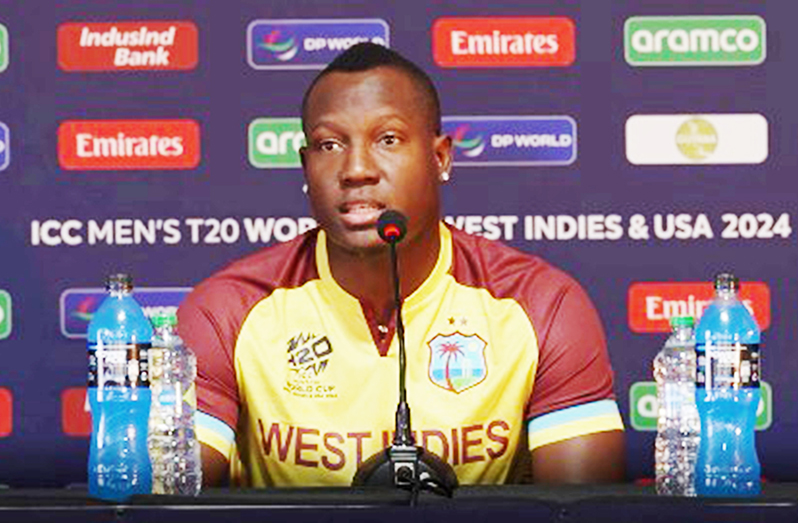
(358, 214)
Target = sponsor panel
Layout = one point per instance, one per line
(643, 406)
(75, 417)
(4, 48)
(5, 314)
(694, 40)
(504, 42)
(78, 305)
(308, 44)
(275, 142)
(512, 140)
(125, 46)
(5, 146)
(6, 412)
(128, 144)
(688, 139)
(652, 304)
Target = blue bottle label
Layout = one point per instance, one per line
(118, 365)
(732, 365)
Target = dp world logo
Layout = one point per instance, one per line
(643, 406)
(468, 144)
(512, 140)
(5, 152)
(308, 44)
(282, 46)
(77, 306)
(694, 40)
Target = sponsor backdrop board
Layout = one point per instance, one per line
(641, 146)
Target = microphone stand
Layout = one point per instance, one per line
(404, 464)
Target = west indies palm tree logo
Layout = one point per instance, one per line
(457, 362)
(470, 146)
(284, 48)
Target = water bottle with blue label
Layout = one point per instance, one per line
(119, 338)
(727, 394)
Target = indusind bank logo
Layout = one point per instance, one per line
(308, 44)
(126, 46)
(512, 140)
(128, 144)
(504, 42)
(694, 40)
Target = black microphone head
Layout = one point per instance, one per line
(392, 226)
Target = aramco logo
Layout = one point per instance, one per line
(284, 47)
(3, 48)
(696, 139)
(469, 146)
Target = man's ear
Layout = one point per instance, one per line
(302, 151)
(443, 155)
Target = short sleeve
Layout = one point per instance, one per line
(209, 327)
(573, 392)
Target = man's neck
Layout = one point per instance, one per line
(368, 277)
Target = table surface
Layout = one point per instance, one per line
(491, 504)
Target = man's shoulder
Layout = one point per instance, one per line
(255, 276)
(504, 270)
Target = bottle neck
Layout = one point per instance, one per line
(683, 334)
(726, 294)
(165, 330)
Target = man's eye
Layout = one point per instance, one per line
(328, 145)
(390, 139)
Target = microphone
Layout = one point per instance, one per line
(392, 227)
(403, 464)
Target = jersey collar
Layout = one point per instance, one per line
(420, 295)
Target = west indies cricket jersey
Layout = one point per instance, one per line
(297, 382)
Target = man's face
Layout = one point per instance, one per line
(371, 147)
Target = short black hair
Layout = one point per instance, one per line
(366, 56)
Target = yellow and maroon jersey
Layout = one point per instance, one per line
(297, 382)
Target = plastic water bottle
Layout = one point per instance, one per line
(173, 444)
(119, 338)
(727, 394)
(678, 426)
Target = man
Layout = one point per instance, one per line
(296, 347)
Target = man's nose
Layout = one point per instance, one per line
(359, 167)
